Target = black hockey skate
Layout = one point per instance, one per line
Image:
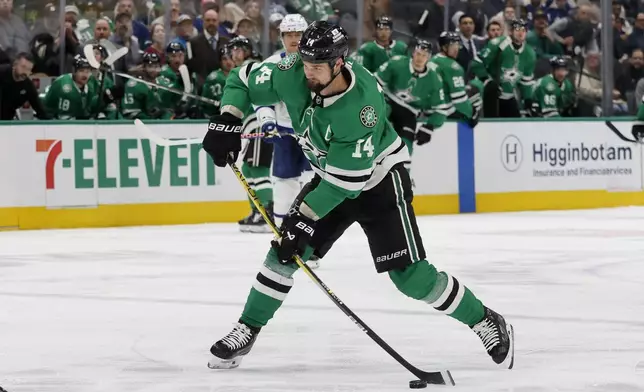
(497, 337)
(255, 223)
(231, 349)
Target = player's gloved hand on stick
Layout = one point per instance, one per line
(424, 134)
(223, 140)
(472, 122)
(296, 232)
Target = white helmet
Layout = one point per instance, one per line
(293, 23)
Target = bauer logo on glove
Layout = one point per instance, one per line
(224, 128)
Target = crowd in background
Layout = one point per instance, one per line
(556, 27)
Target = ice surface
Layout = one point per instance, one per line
(136, 309)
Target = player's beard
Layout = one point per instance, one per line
(314, 86)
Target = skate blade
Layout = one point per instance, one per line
(259, 229)
(508, 363)
(218, 363)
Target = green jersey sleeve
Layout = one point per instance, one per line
(527, 63)
(454, 79)
(135, 100)
(547, 97)
(52, 95)
(213, 88)
(485, 59)
(435, 103)
(251, 84)
(362, 56)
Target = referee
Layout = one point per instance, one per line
(16, 88)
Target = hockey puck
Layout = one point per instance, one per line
(417, 384)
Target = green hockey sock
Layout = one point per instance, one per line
(271, 286)
(442, 291)
(259, 179)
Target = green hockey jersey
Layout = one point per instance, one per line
(346, 137)
(143, 102)
(552, 97)
(213, 88)
(511, 68)
(169, 78)
(453, 77)
(420, 93)
(372, 55)
(313, 9)
(66, 101)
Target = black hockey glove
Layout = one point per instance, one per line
(223, 140)
(472, 122)
(638, 132)
(296, 232)
(424, 134)
(155, 113)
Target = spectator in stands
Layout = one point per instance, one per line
(494, 29)
(102, 30)
(139, 30)
(560, 10)
(246, 28)
(174, 15)
(576, 31)
(184, 32)
(620, 16)
(532, 8)
(473, 8)
(636, 39)
(543, 43)
(207, 5)
(590, 87)
(16, 88)
(314, 9)
(630, 74)
(157, 32)
(619, 39)
(206, 56)
(14, 36)
(470, 45)
(507, 16)
(123, 37)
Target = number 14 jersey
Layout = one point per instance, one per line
(346, 137)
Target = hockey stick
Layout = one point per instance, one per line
(161, 141)
(616, 131)
(88, 51)
(441, 378)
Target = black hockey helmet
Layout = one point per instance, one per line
(518, 24)
(175, 47)
(151, 59)
(323, 42)
(423, 44)
(448, 37)
(240, 42)
(80, 62)
(384, 21)
(102, 50)
(558, 62)
(224, 51)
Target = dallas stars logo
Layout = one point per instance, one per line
(368, 117)
(287, 62)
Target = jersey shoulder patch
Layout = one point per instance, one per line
(550, 86)
(368, 116)
(67, 88)
(131, 83)
(287, 62)
(455, 65)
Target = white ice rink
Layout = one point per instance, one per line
(136, 309)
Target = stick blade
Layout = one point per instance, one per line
(160, 141)
(185, 77)
(117, 54)
(88, 51)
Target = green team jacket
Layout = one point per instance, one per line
(372, 55)
(453, 77)
(139, 100)
(511, 68)
(66, 101)
(552, 97)
(346, 137)
(419, 93)
(213, 88)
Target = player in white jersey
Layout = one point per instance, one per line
(290, 167)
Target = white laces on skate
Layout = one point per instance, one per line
(238, 337)
(488, 333)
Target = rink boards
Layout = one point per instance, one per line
(84, 174)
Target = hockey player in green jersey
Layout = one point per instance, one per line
(505, 65)
(169, 77)
(337, 110)
(213, 87)
(553, 93)
(142, 101)
(106, 102)
(75, 95)
(258, 156)
(464, 100)
(413, 88)
(373, 54)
